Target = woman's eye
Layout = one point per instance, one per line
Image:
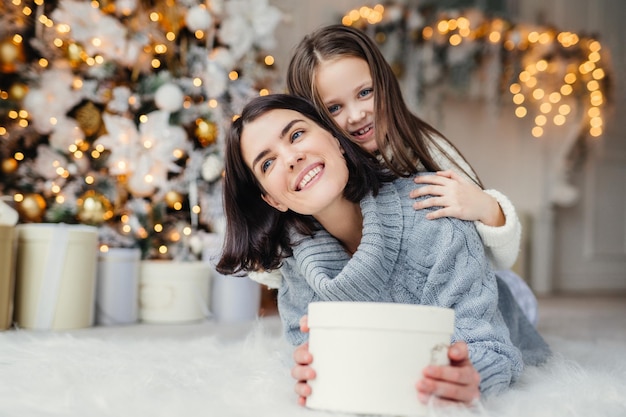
(365, 92)
(296, 135)
(333, 109)
(266, 164)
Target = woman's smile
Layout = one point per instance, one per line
(309, 176)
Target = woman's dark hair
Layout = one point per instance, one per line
(398, 130)
(257, 235)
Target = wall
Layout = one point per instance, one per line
(590, 237)
(568, 246)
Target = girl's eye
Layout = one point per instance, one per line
(333, 109)
(365, 92)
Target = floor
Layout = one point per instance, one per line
(564, 317)
(583, 317)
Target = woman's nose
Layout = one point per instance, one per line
(294, 158)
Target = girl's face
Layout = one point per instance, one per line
(299, 164)
(346, 88)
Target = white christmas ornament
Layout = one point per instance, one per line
(169, 97)
(198, 18)
(212, 168)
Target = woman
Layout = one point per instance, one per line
(299, 195)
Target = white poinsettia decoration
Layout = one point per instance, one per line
(51, 99)
(121, 141)
(48, 162)
(97, 32)
(146, 155)
(66, 133)
(248, 23)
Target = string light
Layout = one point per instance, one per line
(542, 86)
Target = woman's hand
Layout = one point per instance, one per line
(302, 370)
(454, 383)
(457, 197)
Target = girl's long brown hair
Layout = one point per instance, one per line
(403, 138)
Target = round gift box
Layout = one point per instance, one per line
(174, 292)
(369, 356)
(7, 275)
(55, 276)
(234, 299)
(117, 294)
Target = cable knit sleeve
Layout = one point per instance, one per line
(502, 243)
(459, 276)
(294, 297)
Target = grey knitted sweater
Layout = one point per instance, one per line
(405, 258)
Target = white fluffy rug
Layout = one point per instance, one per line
(206, 374)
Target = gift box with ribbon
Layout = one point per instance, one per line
(55, 276)
(8, 220)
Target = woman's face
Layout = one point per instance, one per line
(346, 88)
(299, 164)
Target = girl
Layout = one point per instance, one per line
(342, 71)
(299, 195)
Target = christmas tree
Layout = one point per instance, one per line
(112, 113)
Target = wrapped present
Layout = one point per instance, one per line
(393, 341)
(173, 291)
(117, 288)
(7, 275)
(55, 276)
(233, 298)
(8, 220)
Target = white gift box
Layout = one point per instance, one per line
(117, 291)
(233, 299)
(173, 292)
(368, 357)
(7, 275)
(55, 276)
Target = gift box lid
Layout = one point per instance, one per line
(120, 254)
(380, 316)
(45, 231)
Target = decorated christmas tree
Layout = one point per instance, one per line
(112, 113)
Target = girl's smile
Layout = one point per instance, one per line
(345, 87)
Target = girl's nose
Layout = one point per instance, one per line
(355, 115)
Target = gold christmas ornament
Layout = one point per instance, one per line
(94, 208)
(18, 91)
(10, 55)
(75, 54)
(174, 199)
(9, 165)
(32, 208)
(89, 118)
(206, 132)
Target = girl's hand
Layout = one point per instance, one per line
(457, 197)
(302, 370)
(454, 383)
